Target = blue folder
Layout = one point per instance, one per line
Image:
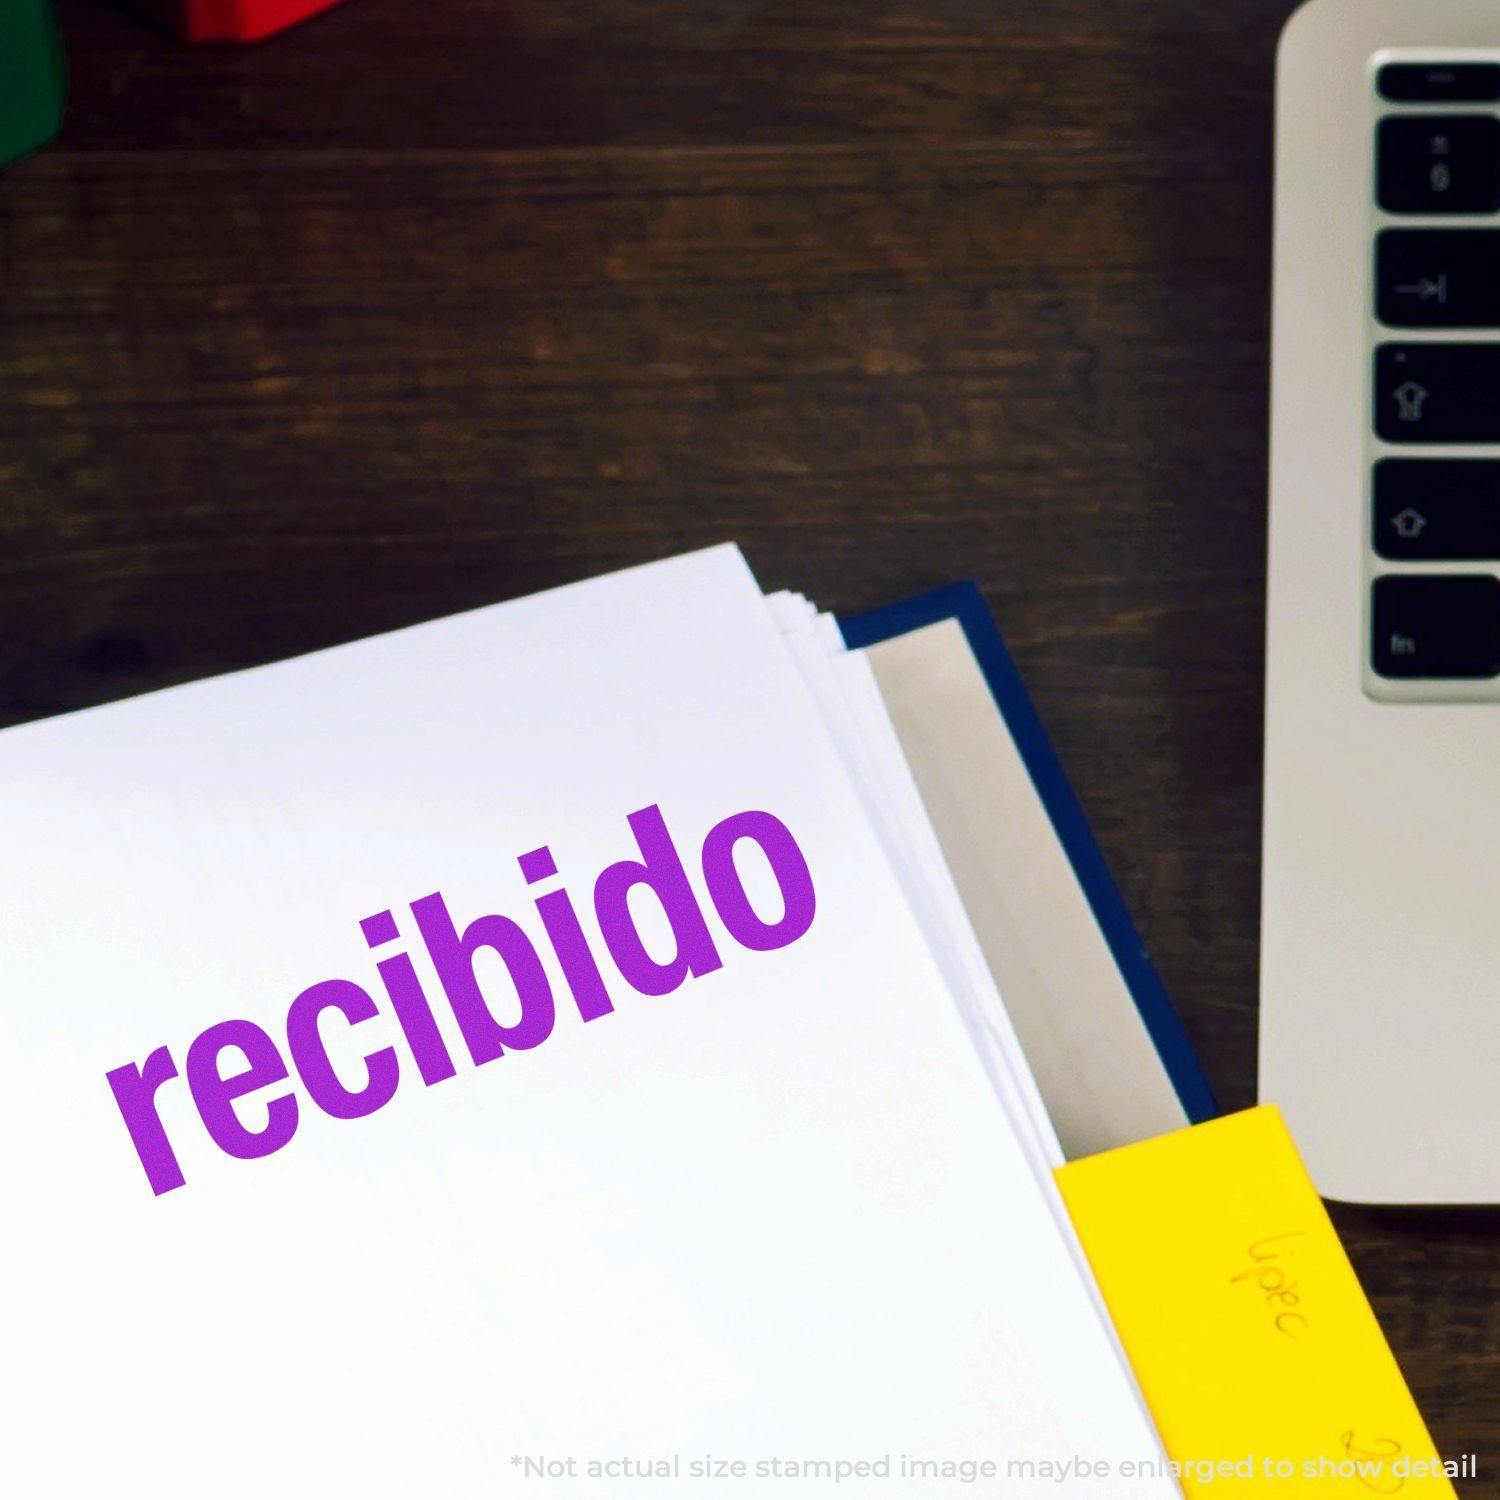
(964, 604)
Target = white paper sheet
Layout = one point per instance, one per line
(776, 1215)
(845, 688)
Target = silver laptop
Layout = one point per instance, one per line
(1380, 998)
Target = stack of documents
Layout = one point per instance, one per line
(537, 1052)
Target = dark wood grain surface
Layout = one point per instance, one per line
(435, 302)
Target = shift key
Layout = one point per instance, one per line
(1437, 393)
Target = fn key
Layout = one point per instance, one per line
(1445, 626)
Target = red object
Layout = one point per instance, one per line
(229, 20)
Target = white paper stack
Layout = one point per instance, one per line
(787, 1226)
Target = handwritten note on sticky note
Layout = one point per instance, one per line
(1258, 1354)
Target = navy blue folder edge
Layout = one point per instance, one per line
(963, 602)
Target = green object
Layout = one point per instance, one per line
(33, 77)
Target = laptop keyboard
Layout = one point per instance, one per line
(1436, 384)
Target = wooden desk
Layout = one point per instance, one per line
(433, 302)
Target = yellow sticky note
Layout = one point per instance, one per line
(1257, 1350)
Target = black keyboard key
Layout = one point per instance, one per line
(1436, 627)
(1439, 164)
(1439, 83)
(1437, 393)
(1437, 509)
(1438, 278)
